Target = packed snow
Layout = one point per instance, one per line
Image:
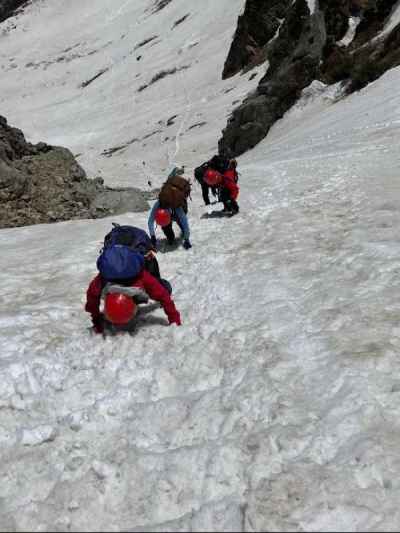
(276, 405)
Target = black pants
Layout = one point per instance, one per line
(151, 265)
(205, 191)
(229, 203)
(169, 231)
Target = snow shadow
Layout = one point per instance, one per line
(149, 308)
(165, 248)
(216, 214)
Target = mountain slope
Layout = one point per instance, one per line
(275, 405)
(50, 89)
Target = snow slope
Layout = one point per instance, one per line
(44, 69)
(275, 406)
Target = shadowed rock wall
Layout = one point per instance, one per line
(302, 47)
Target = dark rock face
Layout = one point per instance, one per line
(41, 183)
(306, 48)
(8, 8)
(256, 27)
(294, 57)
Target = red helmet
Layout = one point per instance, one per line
(162, 217)
(212, 177)
(119, 309)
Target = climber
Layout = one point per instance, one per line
(229, 189)
(170, 207)
(217, 163)
(138, 240)
(123, 282)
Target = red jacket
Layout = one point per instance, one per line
(229, 181)
(144, 281)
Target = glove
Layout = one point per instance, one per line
(98, 323)
(176, 320)
(154, 241)
(186, 244)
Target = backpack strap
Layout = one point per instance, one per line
(136, 293)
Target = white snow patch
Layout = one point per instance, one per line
(311, 5)
(351, 31)
(393, 20)
(38, 435)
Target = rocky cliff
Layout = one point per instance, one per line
(326, 40)
(42, 183)
(10, 7)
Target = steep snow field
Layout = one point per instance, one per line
(59, 45)
(276, 405)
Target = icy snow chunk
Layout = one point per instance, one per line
(73, 505)
(343, 517)
(101, 470)
(75, 421)
(38, 435)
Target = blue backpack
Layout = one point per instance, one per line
(136, 238)
(122, 255)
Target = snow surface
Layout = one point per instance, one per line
(276, 405)
(351, 32)
(394, 19)
(311, 5)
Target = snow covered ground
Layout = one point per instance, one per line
(276, 405)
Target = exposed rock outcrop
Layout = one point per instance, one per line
(8, 8)
(302, 47)
(256, 27)
(42, 183)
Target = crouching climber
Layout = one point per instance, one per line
(217, 163)
(139, 241)
(170, 207)
(227, 183)
(122, 284)
(229, 190)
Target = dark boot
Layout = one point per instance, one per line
(234, 207)
(205, 193)
(169, 233)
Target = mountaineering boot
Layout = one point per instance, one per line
(234, 207)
